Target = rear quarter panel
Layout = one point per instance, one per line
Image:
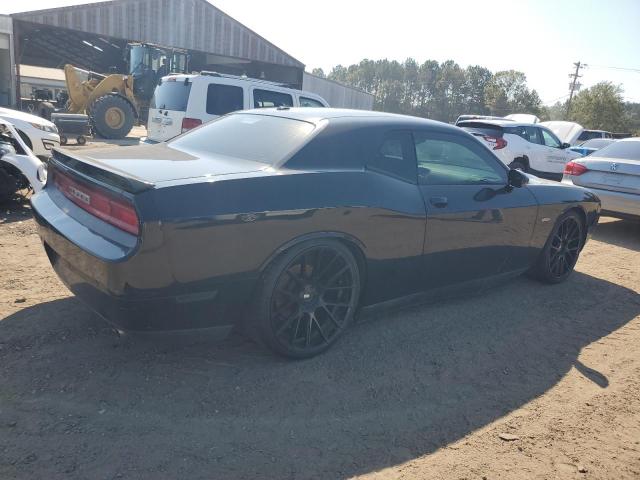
(233, 228)
(557, 198)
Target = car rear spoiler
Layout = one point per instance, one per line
(85, 169)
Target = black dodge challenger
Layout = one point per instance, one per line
(290, 220)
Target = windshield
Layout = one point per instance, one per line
(629, 150)
(171, 95)
(259, 138)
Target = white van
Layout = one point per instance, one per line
(182, 102)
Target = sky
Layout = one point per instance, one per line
(542, 38)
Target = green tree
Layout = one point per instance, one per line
(318, 72)
(600, 107)
(507, 93)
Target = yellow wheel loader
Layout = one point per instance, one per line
(108, 100)
(114, 102)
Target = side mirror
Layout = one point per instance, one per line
(517, 179)
(565, 145)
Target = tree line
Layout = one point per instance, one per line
(443, 91)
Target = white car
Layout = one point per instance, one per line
(529, 147)
(19, 167)
(183, 102)
(40, 135)
(613, 174)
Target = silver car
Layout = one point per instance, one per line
(612, 173)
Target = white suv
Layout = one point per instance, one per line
(183, 102)
(525, 146)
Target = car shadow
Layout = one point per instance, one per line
(622, 233)
(80, 402)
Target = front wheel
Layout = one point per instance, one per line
(560, 254)
(308, 297)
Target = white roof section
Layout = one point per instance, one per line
(42, 72)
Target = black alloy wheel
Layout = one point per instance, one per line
(310, 296)
(562, 250)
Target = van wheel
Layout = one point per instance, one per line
(308, 297)
(518, 165)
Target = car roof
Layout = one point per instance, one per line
(501, 123)
(316, 115)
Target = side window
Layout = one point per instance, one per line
(395, 156)
(223, 99)
(530, 134)
(549, 139)
(268, 98)
(453, 160)
(310, 102)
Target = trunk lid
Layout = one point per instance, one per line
(614, 174)
(150, 165)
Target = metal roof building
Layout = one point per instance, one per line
(94, 35)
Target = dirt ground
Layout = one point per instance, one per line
(422, 393)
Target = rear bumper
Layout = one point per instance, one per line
(116, 290)
(618, 203)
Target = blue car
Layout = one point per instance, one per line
(590, 146)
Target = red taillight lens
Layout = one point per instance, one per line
(116, 211)
(575, 169)
(189, 123)
(496, 143)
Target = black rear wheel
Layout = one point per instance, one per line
(560, 254)
(308, 297)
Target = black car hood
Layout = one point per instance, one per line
(162, 163)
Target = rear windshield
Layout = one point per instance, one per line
(259, 138)
(482, 128)
(629, 150)
(171, 96)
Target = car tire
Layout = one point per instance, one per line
(561, 251)
(518, 164)
(63, 140)
(307, 298)
(8, 186)
(81, 140)
(112, 116)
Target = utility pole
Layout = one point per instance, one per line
(574, 85)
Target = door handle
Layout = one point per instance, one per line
(439, 202)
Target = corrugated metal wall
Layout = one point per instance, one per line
(189, 24)
(338, 95)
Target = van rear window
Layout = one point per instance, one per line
(171, 95)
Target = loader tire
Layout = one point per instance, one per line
(112, 116)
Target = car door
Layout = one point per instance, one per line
(477, 225)
(554, 155)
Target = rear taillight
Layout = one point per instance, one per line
(496, 142)
(575, 169)
(117, 211)
(189, 123)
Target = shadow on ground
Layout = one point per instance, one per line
(78, 402)
(622, 233)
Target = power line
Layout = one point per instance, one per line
(635, 70)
